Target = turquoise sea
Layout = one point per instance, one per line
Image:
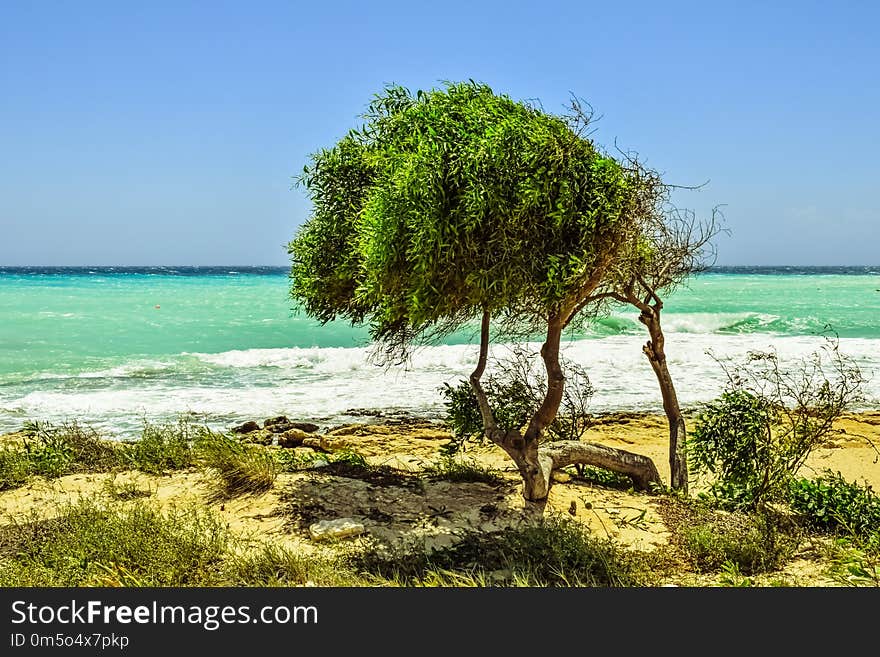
(115, 346)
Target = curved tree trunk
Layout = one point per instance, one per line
(654, 350)
(536, 464)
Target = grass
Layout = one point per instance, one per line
(551, 552)
(88, 544)
(454, 469)
(273, 565)
(713, 541)
(164, 447)
(55, 450)
(236, 468)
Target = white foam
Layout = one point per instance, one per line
(322, 383)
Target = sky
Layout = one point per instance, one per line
(169, 133)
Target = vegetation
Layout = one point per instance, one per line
(164, 447)
(754, 438)
(552, 552)
(833, 504)
(459, 203)
(450, 468)
(92, 545)
(514, 390)
(237, 467)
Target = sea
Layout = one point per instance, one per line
(115, 347)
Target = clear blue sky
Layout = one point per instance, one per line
(168, 133)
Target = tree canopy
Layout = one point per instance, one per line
(454, 201)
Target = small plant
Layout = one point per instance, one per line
(732, 576)
(15, 468)
(238, 467)
(833, 504)
(127, 490)
(856, 562)
(451, 468)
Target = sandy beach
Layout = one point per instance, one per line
(396, 501)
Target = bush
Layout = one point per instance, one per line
(515, 392)
(164, 447)
(755, 437)
(831, 503)
(15, 467)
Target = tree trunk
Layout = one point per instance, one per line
(640, 469)
(654, 350)
(535, 464)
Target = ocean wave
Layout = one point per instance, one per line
(321, 384)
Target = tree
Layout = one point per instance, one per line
(668, 246)
(458, 203)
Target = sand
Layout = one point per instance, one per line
(400, 504)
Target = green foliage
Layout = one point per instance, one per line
(515, 392)
(15, 467)
(833, 504)
(754, 438)
(733, 440)
(92, 545)
(552, 552)
(55, 450)
(237, 467)
(855, 561)
(451, 201)
(603, 477)
(164, 447)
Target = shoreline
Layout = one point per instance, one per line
(383, 475)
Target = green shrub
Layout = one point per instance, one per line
(515, 392)
(15, 468)
(732, 441)
(755, 437)
(750, 543)
(831, 503)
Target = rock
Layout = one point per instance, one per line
(335, 529)
(334, 443)
(247, 427)
(560, 477)
(308, 427)
(281, 424)
(312, 441)
(292, 438)
(272, 421)
(258, 437)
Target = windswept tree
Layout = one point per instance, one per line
(667, 246)
(458, 204)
